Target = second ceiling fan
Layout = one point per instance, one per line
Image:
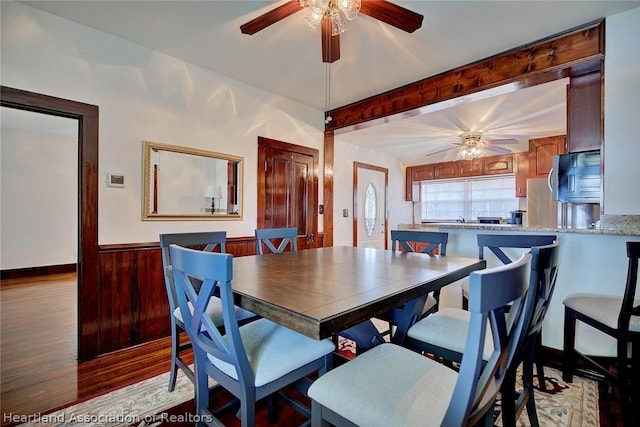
(328, 16)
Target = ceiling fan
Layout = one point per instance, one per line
(329, 15)
(473, 145)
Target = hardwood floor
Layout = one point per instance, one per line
(38, 348)
(38, 365)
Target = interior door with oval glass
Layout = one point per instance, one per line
(370, 206)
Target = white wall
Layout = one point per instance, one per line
(577, 273)
(621, 113)
(145, 95)
(39, 189)
(345, 155)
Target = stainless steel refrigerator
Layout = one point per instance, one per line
(542, 210)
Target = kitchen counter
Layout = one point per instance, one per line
(591, 261)
(630, 231)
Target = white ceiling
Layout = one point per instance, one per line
(285, 58)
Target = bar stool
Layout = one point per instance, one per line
(618, 317)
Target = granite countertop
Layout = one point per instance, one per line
(626, 229)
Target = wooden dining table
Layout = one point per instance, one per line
(321, 292)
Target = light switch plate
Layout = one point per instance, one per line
(115, 180)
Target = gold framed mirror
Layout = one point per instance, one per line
(182, 183)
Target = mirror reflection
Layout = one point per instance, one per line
(187, 183)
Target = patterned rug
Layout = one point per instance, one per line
(571, 405)
(132, 405)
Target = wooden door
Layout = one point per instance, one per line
(288, 188)
(370, 219)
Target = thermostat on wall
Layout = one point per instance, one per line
(115, 180)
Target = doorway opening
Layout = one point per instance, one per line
(87, 204)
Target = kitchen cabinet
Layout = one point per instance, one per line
(423, 172)
(445, 170)
(541, 152)
(469, 167)
(522, 173)
(408, 185)
(497, 164)
(415, 174)
(584, 113)
(493, 165)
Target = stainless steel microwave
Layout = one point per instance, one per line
(576, 177)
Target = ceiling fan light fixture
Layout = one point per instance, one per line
(470, 153)
(313, 20)
(349, 8)
(334, 10)
(472, 145)
(337, 24)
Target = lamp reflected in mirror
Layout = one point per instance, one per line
(176, 179)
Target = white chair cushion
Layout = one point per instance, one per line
(214, 311)
(274, 350)
(430, 303)
(447, 328)
(387, 386)
(465, 288)
(603, 308)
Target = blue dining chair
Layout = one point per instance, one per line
(252, 361)
(425, 242)
(270, 237)
(444, 334)
(497, 244)
(366, 335)
(393, 386)
(208, 241)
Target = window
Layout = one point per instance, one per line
(447, 200)
(370, 210)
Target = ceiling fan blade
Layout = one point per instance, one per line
(502, 141)
(392, 14)
(498, 150)
(439, 151)
(330, 44)
(271, 17)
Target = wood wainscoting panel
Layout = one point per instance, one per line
(133, 305)
(132, 300)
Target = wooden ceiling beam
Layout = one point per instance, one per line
(570, 53)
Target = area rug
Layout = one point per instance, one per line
(132, 405)
(570, 405)
(563, 404)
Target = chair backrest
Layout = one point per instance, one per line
(542, 282)
(208, 240)
(434, 239)
(270, 237)
(491, 291)
(627, 309)
(198, 276)
(496, 242)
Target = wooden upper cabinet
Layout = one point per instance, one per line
(522, 173)
(541, 152)
(469, 167)
(415, 174)
(584, 113)
(445, 170)
(423, 172)
(497, 164)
